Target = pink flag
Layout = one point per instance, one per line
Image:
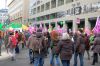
(78, 20)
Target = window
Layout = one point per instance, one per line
(47, 6)
(53, 3)
(38, 9)
(42, 8)
(60, 2)
(68, 1)
(34, 11)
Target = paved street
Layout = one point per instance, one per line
(22, 60)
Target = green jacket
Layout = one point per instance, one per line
(91, 39)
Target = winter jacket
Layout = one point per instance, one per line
(65, 49)
(96, 48)
(80, 44)
(30, 41)
(54, 47)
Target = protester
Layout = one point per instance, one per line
(96, 49)
(39, 48)
(87, 45)
(29, 45)
(54, 54)
(65, 48)
(23, 40)
(12, 45)
(6, 39)
(79, 48)
(17, 38)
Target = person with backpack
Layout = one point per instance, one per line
(39, 48)
(79, 48)
(54, 54)
(29, 45)
(65, 48)
(12, 45)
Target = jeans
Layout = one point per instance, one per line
(31, 56)
(12, 53)
(57, 60)
(95, 58)
(81, 56)
(17, 49)
(38, 61)
(65, 62)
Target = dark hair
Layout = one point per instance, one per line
(81, 30)
(16, 31)
(11, 33)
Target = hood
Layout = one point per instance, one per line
(65, 36)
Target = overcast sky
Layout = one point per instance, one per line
(2, 3)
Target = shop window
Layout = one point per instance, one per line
(60, 23)
(47, 25)
(53, 25)
(69, 24)
(92, 22)
(54, 15)
(38, 25)
(82, 23)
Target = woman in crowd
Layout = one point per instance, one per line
(65, 48)
(96, 49)
(54, 54)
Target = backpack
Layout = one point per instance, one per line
(81, 47)
(13, 41)
(38, 45)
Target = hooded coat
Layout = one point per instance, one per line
(96, 48)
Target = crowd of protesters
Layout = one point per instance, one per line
(60, 47)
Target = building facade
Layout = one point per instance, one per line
(3, 15)
(18, 11)
(72, 14)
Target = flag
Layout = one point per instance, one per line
(78, 20)
(96, 29)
